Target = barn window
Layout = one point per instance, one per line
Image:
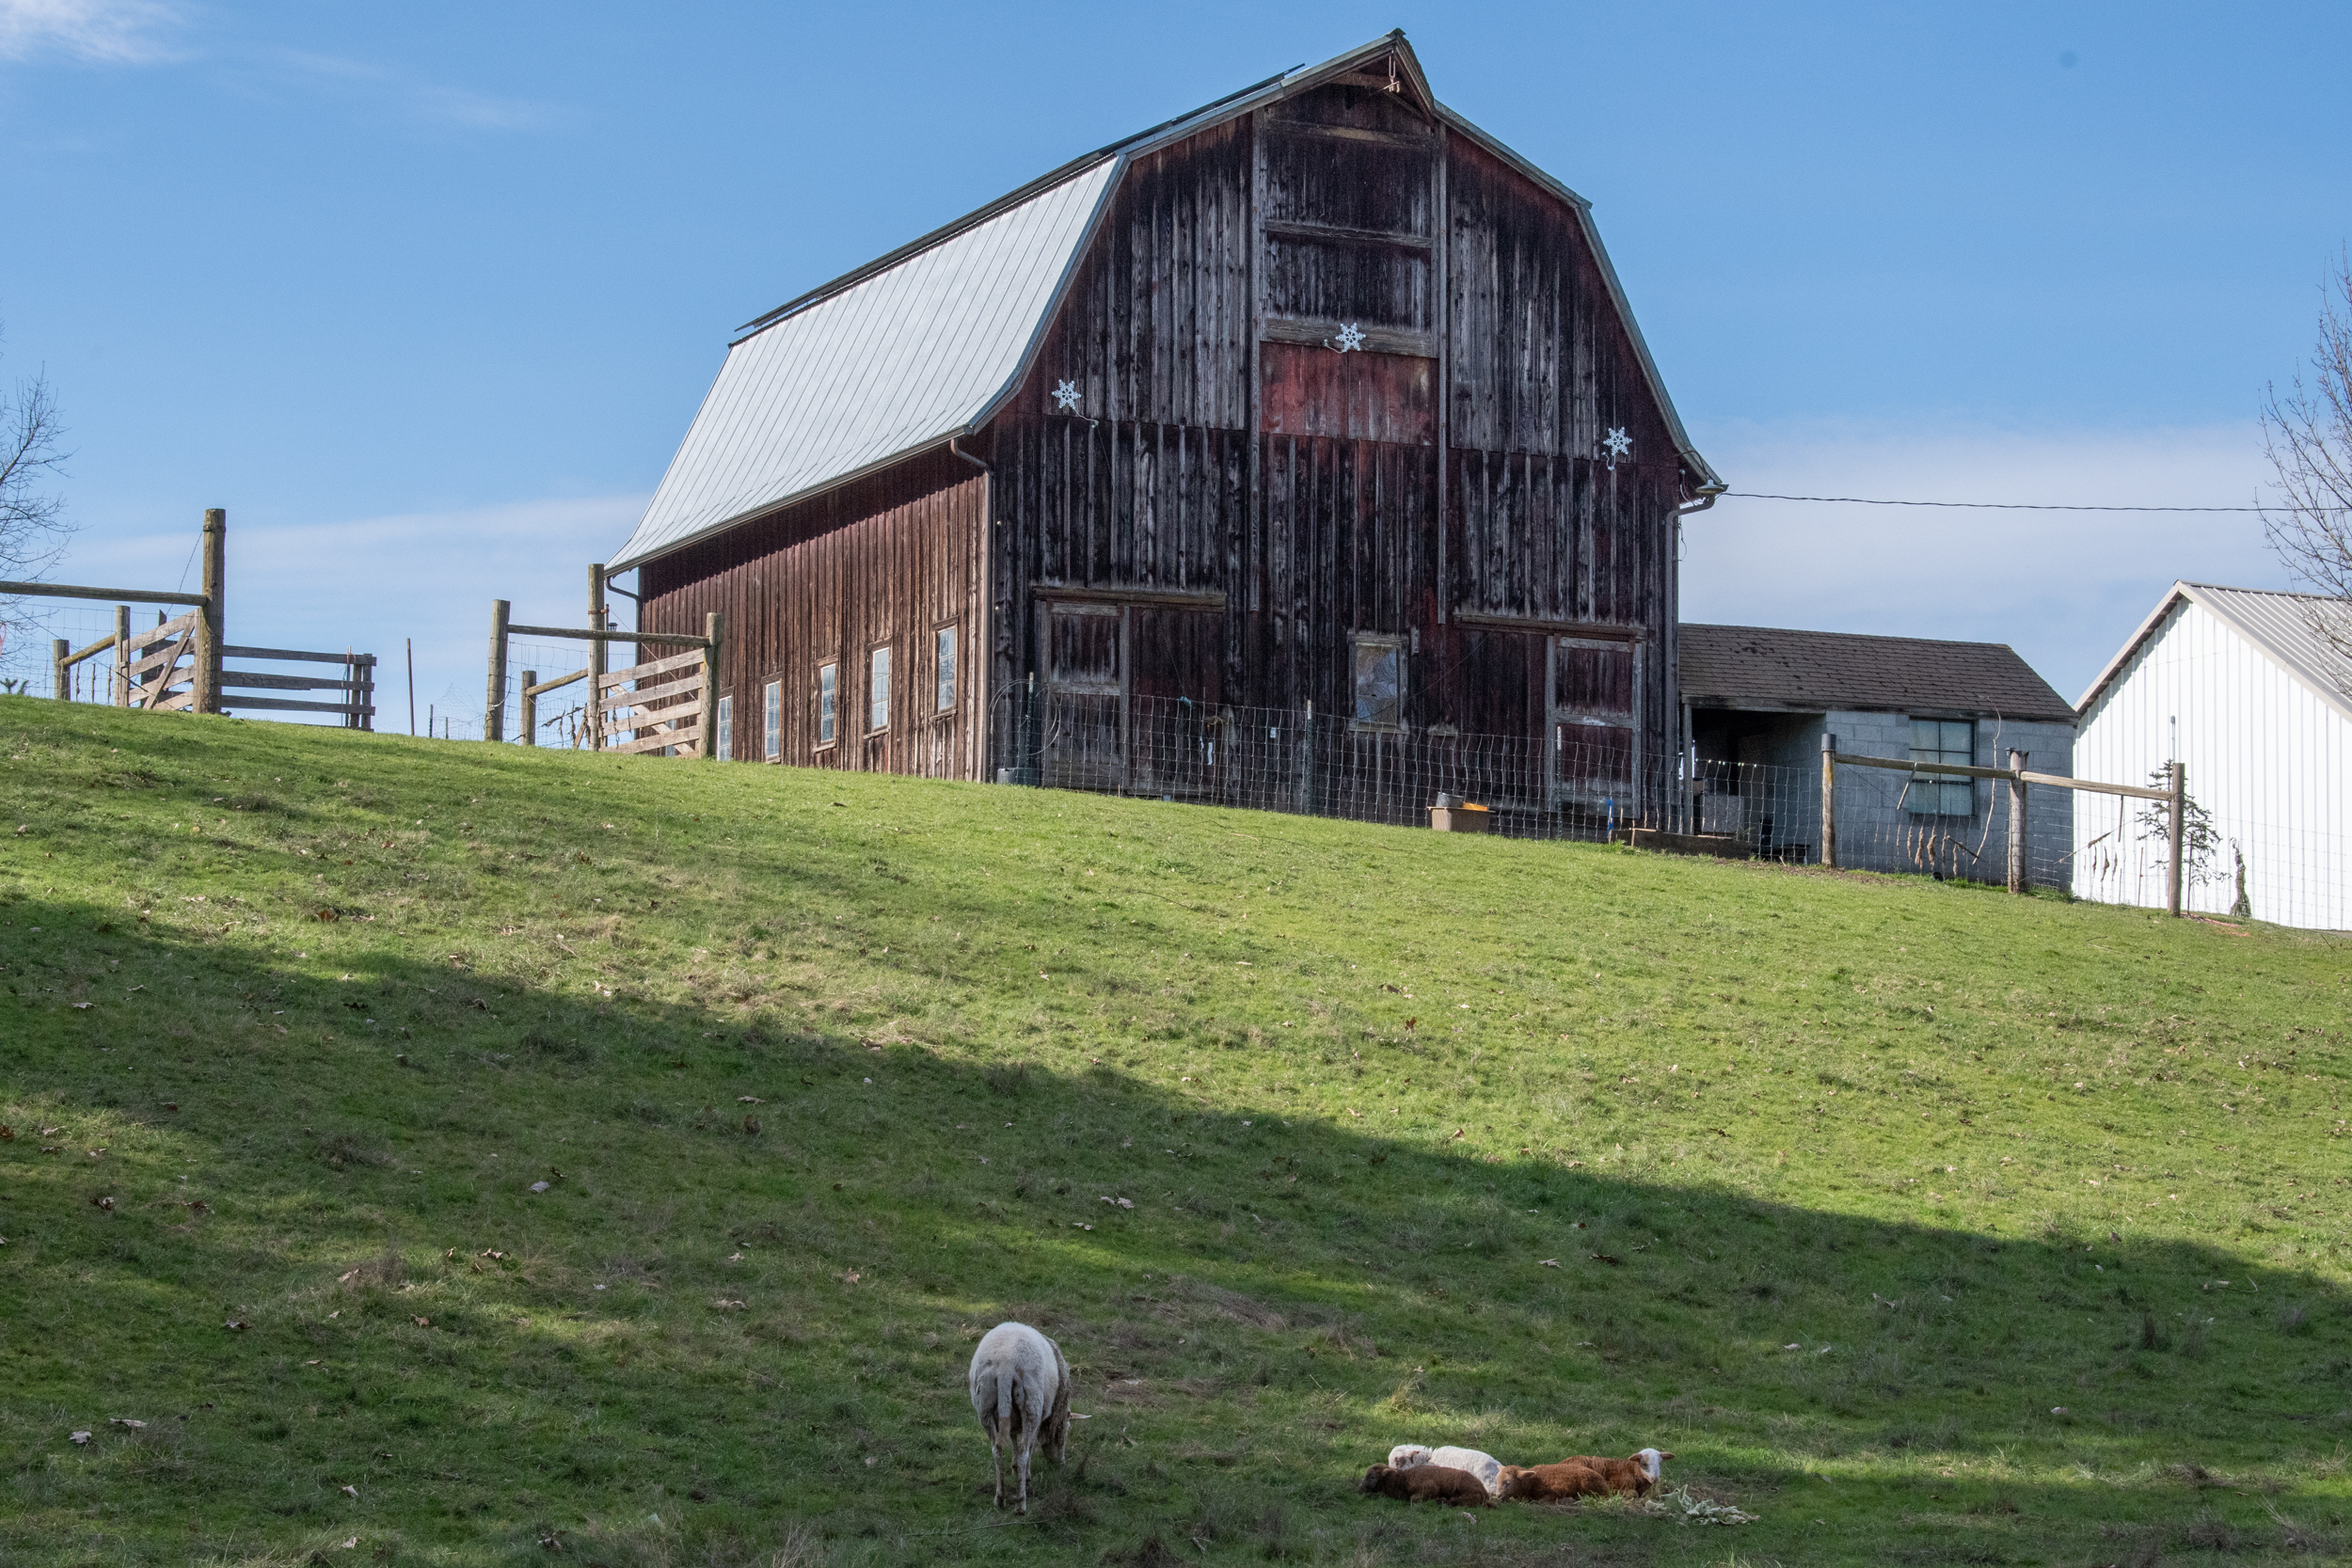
(878, 689)
(722, 744)
(1379, 683)
(947, 668)
(772, 719)
(828, 700)
(1952, 740)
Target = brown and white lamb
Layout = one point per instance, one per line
(1427, 1483)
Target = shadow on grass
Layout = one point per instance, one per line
(732, 1326)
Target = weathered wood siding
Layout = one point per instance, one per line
(1223, 450)
(1328, 369)
(887, 561)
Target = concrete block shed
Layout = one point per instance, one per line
(1758, 700)
(2246, 689)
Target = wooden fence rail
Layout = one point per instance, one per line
(175, 665)
(667, 704)
(2175, 796)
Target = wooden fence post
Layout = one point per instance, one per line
(212, 619)
(1829, 800)
(527, 708)
(2018, 873)
(2174, 833)
(123, 656)
(597, 659)
(494, 704)
(714, 627)
(60, 673)
(363, 694)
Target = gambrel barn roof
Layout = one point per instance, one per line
(924, 346)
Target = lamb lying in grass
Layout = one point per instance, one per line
(1021, 1388)
(1427, 1483)
(1549, 1483)
(1486, 1467)
(1586, 1476)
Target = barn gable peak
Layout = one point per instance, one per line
(927, 343)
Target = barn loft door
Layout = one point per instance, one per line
(1086, 696)
(1595, 701)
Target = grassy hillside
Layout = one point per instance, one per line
(1929, 1224)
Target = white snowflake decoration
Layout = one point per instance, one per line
(1066, 396)
(1351, 338)
(1616, 444)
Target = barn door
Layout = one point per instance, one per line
(1086, 696)
(1595, 701)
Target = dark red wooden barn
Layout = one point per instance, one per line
(1318, 397)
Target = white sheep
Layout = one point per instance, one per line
(1406, 1455)
(1486, 1467)
(1021, 1388)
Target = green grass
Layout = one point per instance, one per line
(1929, 1224)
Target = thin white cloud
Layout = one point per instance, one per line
(425, 102)
(112, 32)
(2064, 588)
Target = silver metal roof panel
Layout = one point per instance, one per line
(900, 361)
(2287, 628)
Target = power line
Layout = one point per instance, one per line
(1978, 506)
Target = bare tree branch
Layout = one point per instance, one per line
(33, 526)
(2307, 434)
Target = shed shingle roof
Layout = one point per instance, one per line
(1815, 672)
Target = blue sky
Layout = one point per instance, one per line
(426, 294)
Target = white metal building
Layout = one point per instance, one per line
(2240, 685)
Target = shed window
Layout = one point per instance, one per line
(1951, 740)
(878, 689)
(946, 661)
(828, 700)
(722, 744)
(771, 734)
(1379, 683)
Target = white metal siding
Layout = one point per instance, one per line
(2269, 757)
(892, 364)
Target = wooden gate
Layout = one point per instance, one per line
(661, 706)
(160, 673)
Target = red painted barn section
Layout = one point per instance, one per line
(887, 563)
(1326, 366)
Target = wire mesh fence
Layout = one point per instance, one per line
(1581, 782)
(27, 630)
(53, 648)
(2231, 864)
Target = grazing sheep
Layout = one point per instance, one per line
(1427, 1483)
(1636, 1475)
(1486, 1467)
(1545, 1483)
(1406, 1455)
(1021, 1388)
